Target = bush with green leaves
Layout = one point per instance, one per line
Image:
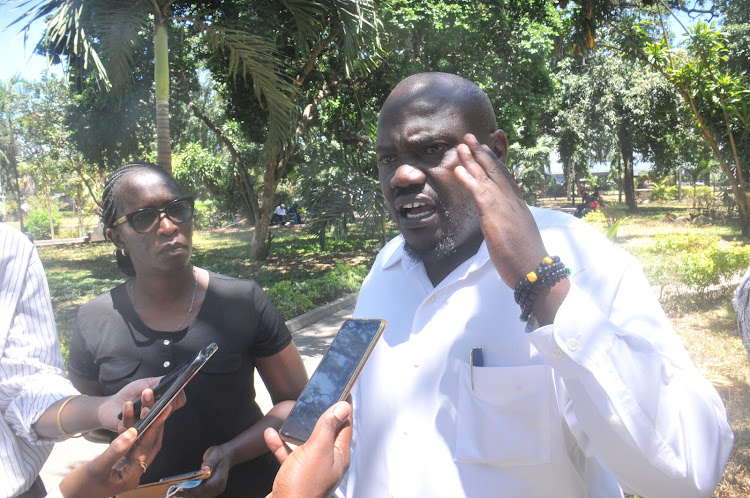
(295, 298)
(37, 223)
(695, 260)
(664, 193)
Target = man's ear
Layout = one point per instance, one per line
(499, 145)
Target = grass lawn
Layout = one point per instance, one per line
(704, 320)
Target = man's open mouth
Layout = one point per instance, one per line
(417, 210)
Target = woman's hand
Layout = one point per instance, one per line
(218, 459)
(112, 405)
(315, 468)
(123, 463)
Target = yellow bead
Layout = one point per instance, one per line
(531, 276)
(548, 260)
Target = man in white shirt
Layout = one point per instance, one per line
(591, 394)
(38, 405)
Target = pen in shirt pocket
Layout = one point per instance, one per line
(476, 359)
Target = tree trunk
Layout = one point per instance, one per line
(49, 210)
(14, 170)
(626, 149)
(619, 179)
(570, 180)
(161, 78)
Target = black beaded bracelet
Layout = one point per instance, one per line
(550, 271)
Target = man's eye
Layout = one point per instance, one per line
(386, 159)
(435, 149)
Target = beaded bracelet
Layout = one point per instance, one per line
(550, 271)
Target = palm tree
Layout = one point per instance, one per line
(120, 27)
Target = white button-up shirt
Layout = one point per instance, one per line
(31, 366)
(605, 397)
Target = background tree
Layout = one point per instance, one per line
(107, 34)
(10, 100)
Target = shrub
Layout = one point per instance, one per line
(664, 193)
(295, 298)
(695, 260)
(38, 223)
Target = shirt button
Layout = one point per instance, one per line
(614, 420)
(166, 364)
(557, 354)
(167, 342)
(431, 299)
(573, 344)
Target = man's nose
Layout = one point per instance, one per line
(407, 174)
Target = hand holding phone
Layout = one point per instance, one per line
(175, 387)
(334, 377)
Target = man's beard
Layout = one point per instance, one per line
(441, 248)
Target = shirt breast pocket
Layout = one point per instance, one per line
(504, 421)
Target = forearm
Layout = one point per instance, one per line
(647, 413)
(80, 414)
(250, 444)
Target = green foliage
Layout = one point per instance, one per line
(37, 223)
(702, 192)
(696, 260)
(295, 298)
(661, 192)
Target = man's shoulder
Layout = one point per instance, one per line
(391, 253)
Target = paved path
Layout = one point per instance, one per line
(312, 341)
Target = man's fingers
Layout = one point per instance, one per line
(279, 449)
(329, 424)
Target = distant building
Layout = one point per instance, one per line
(597, 169)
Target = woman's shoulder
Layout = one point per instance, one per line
(232, 284)
(104, 301)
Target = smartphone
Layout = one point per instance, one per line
(334, 377)
(160, 389)
(175, 387)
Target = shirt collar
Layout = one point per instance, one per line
(393, 253)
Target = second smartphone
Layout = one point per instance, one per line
(334, 377)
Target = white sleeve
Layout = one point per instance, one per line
(31, 366)
(636, 401)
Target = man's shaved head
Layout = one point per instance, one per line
(431, 89)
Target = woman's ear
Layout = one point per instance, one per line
(499, 145)
(114, 236)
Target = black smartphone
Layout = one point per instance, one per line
(334, 377)
(175, 387)
(159, 390)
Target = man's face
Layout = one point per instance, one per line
(416, 150)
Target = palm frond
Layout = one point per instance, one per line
(120, 33)
(359, 25)
(255, 55)
(308, 17)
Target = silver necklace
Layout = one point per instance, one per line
(192, 300)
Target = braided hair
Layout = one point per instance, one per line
(111, 204)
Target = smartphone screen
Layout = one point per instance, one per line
(334, 377)
(175, 387)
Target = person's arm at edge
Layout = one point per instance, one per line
(315, 468)
(86, 413)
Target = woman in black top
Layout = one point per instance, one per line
(160, 318)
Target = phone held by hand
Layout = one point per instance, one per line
(334, 377)
(175, 387)
(159, 390)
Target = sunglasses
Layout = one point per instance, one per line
(147, 219)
